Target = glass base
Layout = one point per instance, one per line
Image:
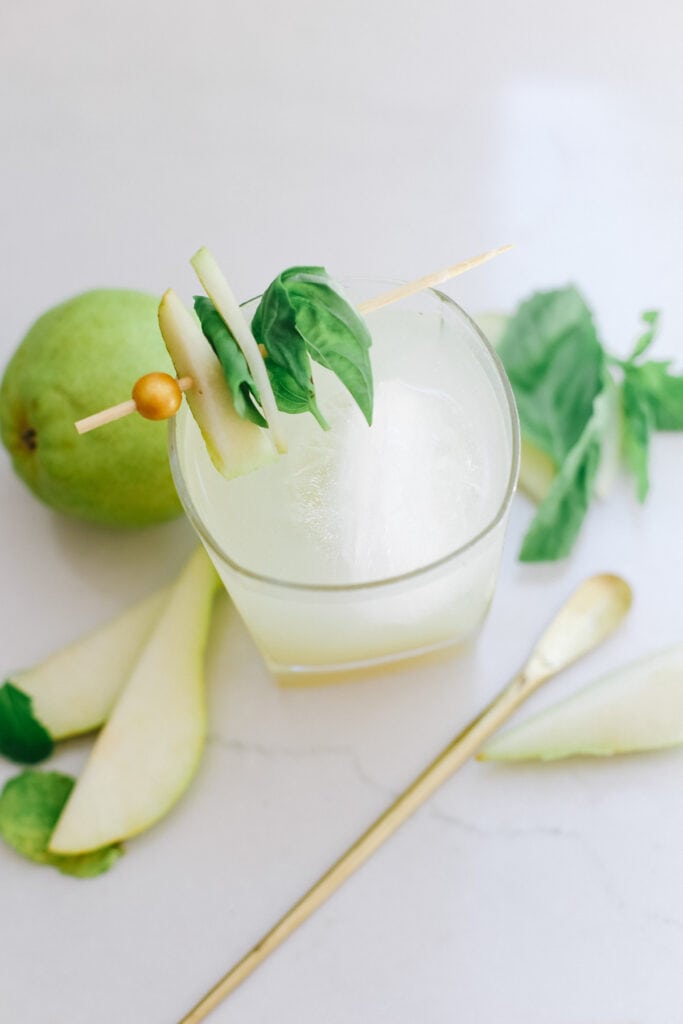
(322, 675)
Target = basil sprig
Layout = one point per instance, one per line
(572, 408)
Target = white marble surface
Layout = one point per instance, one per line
(386, 138)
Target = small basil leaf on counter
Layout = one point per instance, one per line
(23, 737)
(30, 805)
(638, 424)
(651, 320)
(664, 391)
(558, 520)
(555, 362)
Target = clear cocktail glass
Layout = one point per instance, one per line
(368, 546)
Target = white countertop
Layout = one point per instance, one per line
(388, 139)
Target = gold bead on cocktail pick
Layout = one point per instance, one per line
(117, 412)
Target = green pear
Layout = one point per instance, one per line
(78, 358)
(637, 708)
(236, 446)
(146, 754)
(73, 690)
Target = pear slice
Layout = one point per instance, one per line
(148, 751)
(219, 291)
(236, 446)
(74, 690)
(637, 708)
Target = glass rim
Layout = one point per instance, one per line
(365, 585)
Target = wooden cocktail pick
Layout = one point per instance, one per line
(592, 612)
(117, 412)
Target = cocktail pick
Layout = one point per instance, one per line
(173, 389)
(592, 612)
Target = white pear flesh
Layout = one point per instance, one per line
(236, 445)
(637, 708)
(147, 753)
(74, 690)
(219, 291)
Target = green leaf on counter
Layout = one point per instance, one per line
(559, 370)
(651, 321)
(30, 805)
(240, 381)
(555, 362)
(664, 393)
(22, 737)
(638, 424)
(559, 517)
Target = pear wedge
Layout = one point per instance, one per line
(73, 690)
(637, 708)
(235, 445)
(148, 751)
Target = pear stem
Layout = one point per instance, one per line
(117, 412)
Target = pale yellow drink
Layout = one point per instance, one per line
(366, 545)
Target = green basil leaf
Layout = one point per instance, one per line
(638, 424)
(240, 381)
(555, 363)
(664, 392)
(668, 403)
(302, 315)
(335, 334)
(287, 362)
(558, 519)
(30, 805)
(651, 318)
(22, 737)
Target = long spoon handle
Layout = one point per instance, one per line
(590, 615)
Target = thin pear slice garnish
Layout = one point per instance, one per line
(147, 753)
(73, 690)
(236, 445)
(637, 708)
(219, 291)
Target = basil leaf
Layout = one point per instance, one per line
(302, 315)
(639, 422)
(336, 336)
(651, 318)
(555, 363)
(240, 381)
(287, 362)
(664, 391)
(559, 518)
(668, 403)
(22, 737)
(30, 805)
